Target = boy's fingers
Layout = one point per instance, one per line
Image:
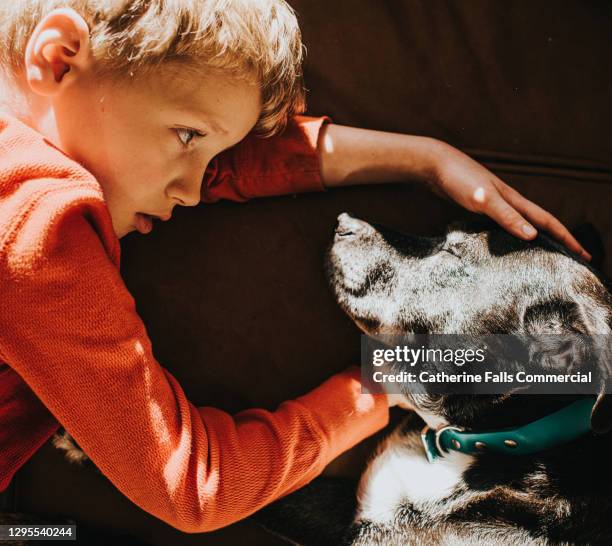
(558, 231)
(546, 221)
(508, 217)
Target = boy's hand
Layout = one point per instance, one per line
(477, 189)
(359, 156)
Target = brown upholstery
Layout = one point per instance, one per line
(234, 296)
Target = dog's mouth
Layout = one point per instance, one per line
(344, 275)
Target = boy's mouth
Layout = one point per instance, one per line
(144, 221)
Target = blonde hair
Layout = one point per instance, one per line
(246, 38)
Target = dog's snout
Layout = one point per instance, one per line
(348, 225)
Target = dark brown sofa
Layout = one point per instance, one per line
(234, 295)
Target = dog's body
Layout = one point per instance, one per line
(477, 283)
(551, 497)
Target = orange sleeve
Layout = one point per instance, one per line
(69, 327)
(261, 167)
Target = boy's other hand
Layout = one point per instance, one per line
(477, 189)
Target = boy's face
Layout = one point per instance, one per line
(148, 140)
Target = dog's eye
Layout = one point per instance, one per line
(452, 251)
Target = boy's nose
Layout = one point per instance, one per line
(190, 200)
(187, 192)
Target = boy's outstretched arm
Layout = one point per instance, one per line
(70, 331)
(358, 156)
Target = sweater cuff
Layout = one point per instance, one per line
(345, 415)
(284, 164)
(309, 177)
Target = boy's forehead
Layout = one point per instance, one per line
(191, 84)
(212, 95)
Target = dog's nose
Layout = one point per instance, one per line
(348, 225)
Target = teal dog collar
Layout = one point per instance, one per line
(555, 429)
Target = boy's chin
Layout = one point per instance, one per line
(125, 225)
(122, 229)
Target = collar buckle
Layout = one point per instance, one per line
(438, 434)
(432, 440)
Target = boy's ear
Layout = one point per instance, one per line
(57, 50)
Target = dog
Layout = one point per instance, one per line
(476, 281)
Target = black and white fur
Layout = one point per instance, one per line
(470, 281)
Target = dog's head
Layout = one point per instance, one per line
(470, 281)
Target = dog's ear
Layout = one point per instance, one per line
(601, 416)
(568, 350)
(557, 328)
(554, 316)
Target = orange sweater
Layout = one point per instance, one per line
(73, 349)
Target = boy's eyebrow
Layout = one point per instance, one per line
(209, 120)
(215, 126)
(204, 118)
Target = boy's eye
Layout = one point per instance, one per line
(187, 135)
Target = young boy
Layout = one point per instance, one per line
(113, 114)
